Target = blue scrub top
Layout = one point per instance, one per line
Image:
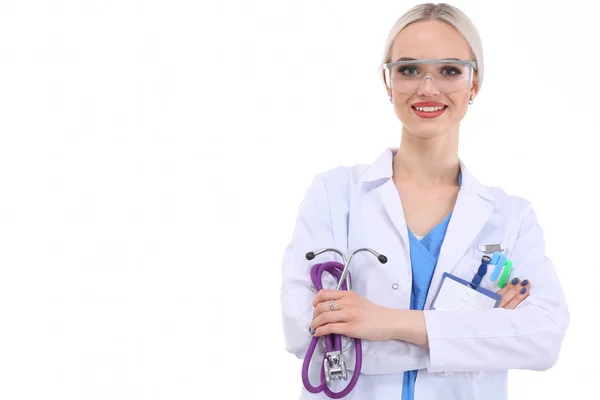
(424, 255)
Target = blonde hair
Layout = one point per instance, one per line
(444, 13)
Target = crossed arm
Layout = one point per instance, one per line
(357, 317)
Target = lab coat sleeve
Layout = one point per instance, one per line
(528, 337)
(313, 230)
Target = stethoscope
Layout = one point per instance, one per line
(334, 368)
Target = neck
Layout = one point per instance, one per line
(427, 161)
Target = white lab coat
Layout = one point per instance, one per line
(470, 352)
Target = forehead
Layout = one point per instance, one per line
(430, 39)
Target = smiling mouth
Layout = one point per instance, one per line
(429, 111)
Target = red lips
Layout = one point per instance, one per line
(429, 114)
(429, 104)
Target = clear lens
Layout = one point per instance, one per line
(448, 77)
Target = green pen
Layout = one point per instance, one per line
(505, 274)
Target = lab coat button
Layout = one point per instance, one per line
(395, 286)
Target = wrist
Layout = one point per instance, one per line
(398, 331)
(409, 326)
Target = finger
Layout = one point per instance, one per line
(512, 292)
(319, 309)
(508, 286)
(507, 298)
(329, 318)
(340, 328)
(523, 294)
(324, 307)
(512, 289)
(326, 295)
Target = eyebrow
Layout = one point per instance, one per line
(411, 59)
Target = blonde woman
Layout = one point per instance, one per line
(420, 206)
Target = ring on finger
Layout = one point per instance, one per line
(331, 305)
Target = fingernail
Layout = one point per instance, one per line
(525, 282)
(523, 290)
(515, 281)
(312, 332)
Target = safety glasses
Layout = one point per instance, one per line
(448, 75)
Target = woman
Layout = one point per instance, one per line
(420, 206)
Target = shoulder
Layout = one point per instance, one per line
(511, 205)
(506, 200)
(331, 188)
(342, 173)
(338, 181)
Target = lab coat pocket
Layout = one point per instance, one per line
(471, 267)
(466, 268)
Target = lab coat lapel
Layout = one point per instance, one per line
(381, 171)
(388, 193)
(473, 208)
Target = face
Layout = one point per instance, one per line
(431, 40)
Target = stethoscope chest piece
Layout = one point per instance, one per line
(334, 367)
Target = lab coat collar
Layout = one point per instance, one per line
(473, 207)
(382, 169)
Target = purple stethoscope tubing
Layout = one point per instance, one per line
(332, 342)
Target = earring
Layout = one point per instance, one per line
(470, 101)
(391, 101)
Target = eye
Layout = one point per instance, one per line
(408, 71)
(451, 71)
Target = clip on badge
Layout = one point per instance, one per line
(491, 248)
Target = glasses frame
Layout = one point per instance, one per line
(388, 66)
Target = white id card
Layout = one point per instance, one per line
(456, 294)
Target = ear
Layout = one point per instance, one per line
(474, 87)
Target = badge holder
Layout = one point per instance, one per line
(455, 294)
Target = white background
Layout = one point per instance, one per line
(153, 156)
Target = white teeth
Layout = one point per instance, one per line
(429, 109)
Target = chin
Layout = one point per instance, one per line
(429, 129)
(430, 133)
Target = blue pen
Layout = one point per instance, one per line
(485, 260)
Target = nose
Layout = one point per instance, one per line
(428, 87)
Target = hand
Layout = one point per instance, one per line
(512, 294)
(353, 316)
